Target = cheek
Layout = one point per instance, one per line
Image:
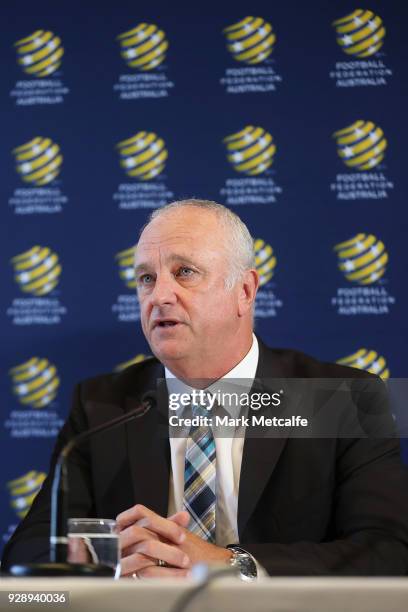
(220, 306)
(143, 313)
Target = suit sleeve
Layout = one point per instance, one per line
(30, 541)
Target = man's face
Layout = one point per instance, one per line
(181, 267)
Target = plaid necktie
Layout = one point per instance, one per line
(200, 479)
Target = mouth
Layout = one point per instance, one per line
(166, 323)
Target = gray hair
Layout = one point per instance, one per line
(239, 242)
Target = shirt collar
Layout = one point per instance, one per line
(244, 370)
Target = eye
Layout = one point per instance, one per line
(185, 272)
(145, 279)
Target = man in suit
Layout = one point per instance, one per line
(292, 505)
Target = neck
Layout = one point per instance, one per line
(201, 372)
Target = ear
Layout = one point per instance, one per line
(249, 284)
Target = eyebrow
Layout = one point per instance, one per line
(144, 267)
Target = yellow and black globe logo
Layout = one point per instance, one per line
(361, 33)
(126, 262)
(35, 382)
(37, 271)
(251, 40)
(144, 47)
(143, 156)
(40, 53)
(23, 491)
(138, 359)
(368, 360)
(362, 259)
(361, 145)
(38, 161)
(265, 261)
(250, 151)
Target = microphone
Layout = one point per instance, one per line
(58, 565)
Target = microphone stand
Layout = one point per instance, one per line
(58, 565)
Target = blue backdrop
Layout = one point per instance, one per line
(292, 113)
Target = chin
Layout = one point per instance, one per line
(167, 351)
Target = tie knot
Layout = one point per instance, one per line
(201, 407)
(198, 411)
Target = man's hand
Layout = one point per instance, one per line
(145, 538)
(200, 551)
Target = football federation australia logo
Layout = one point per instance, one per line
(361, 33)
(265, 261)
(35, 382)
(362, 259)
(39, 54)
(38, 161)
(143, 156)
(37, 271)
(368, 360)
(251, 40)
(250, 151)
(144, 47)
(126, 262)
(23, 491)
(361, 145)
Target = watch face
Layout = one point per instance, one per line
(248, 569)
(245, 564)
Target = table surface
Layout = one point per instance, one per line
(224, 594)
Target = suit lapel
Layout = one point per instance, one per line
(148, 446)
(260, 453)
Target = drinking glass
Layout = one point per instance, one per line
(94, 540)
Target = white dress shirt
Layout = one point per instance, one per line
(228, 457)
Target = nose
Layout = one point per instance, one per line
(164, 291)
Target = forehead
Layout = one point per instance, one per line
(182, 231)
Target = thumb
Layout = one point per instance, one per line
(181, 518)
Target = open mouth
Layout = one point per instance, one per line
(167, 323)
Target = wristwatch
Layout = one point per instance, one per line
(244, 562)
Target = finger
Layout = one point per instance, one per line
(181, 518)
(164, 528)
(131, 515)
(134, 534)
(162, 572)
(150, 520)
(129, 550)
(78, 551)
(172, 555)
(135, 562)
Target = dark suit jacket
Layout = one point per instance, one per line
(306, 507)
